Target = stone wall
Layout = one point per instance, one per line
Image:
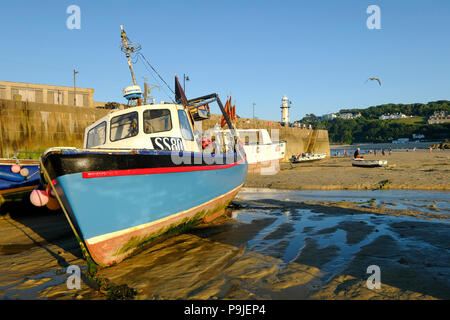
(34, 126)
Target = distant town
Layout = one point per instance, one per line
(385, 123)
(440, 116)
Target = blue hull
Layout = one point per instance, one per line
(113, 215)
(106, 205)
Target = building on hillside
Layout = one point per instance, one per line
(328, 116)
(346, 116)
(393, 116)
(80, 97)
(439, 117)
(349, 115)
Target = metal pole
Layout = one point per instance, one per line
(74, 89)
(125, 45)
(184, 82)
(254, 110)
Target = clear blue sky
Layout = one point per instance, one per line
(318, 53)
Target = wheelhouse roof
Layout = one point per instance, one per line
(142, 108)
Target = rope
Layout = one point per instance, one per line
(155, 71)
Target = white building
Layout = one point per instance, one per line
(329, 116)
(392, 116)
(345, 116)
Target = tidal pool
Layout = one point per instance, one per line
(428, 201)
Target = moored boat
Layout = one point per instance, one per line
(18, 177)
(307, 157)
(141, 174)
(361, 162)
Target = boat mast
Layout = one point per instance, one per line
(132, 93)
(127, 49)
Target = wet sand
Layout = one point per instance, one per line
(271, 248)
(419, 170)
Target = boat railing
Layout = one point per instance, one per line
(16, 154)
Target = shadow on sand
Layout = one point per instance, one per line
(40, 225)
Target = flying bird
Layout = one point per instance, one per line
(379, 82)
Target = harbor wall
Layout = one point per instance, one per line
(33, 126)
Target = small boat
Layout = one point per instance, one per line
(142, 174)
(18, 177)
(361, 162)
(306, 157)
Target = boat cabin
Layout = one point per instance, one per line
(163, 126)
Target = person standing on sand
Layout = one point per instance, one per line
(383, 152)
(390, 151)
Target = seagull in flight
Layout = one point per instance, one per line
(379, 82)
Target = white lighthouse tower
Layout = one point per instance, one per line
(285, 105)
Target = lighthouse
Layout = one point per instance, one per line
(285, 105)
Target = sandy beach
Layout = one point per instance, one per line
(412, 170)
(274, 245)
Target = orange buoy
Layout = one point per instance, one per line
(15, 168)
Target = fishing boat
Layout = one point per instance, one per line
(307, 157)
(361, 162)
(18, 177)
(262, 153)
(142, 174)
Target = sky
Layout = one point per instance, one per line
(317, 53)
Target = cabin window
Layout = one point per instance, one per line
(157, 120)
(124, 126)
(185, 127)
(96, 136)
